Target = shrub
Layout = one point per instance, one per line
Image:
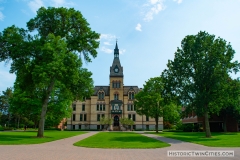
(189, 127)
(1, 128)
(7, 128)
(179, 126)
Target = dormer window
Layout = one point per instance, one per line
(131, 95)
(101, 95)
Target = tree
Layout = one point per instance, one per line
(230, 101)
(171, 114)
(198, 73)
(51, 60)
(5, 103)
(126, 122)
(106, 122)
(150, 101)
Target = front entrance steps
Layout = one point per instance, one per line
(116, 128)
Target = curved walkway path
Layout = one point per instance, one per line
(64, 150)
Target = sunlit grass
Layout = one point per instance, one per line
(30, 137)
(230, 139)
(120, 140)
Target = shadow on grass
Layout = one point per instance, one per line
(18, 137)
(132, 139)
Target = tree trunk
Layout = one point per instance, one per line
(44, 109)
(18, 121)
(156, 127)
(225, 123)
(207, 126)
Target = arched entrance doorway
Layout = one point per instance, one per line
(116, 121)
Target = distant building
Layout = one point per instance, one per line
(215, 122)
(114, 101)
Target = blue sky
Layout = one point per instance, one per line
(148, 31)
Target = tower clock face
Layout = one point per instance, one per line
(116, 70)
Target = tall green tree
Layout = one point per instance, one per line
(48, 56)
(172, 114)
(198, 73)
(150, 101)
(230, 101)
(5, 104)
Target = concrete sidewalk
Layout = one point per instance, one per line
(64, 150)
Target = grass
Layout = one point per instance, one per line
(120, 140)
(217, 140)
(29, 137)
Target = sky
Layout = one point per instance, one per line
(148, 31)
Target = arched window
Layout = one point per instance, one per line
(101, 95)
(116, 84)
(131, 95)
(116, 96)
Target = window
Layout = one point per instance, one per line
(98, 117)
(100, 107)
(131, 95)
(147, 127)
(134, 127)
(147, 118)
(85, 117)
(104, 107)
(130, 107)
(73, 117)
(73, 127)
(115, 96)
(81, 117)
(116, 84)
(83, 107)
(98, 127)
(79, 126)
(129, 116)
(134, 117)
(74, 107)
(97, 107)
(101, 95)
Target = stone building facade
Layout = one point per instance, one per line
(114, 101)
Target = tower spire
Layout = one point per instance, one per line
(116, 51)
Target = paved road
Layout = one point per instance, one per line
(64, 150)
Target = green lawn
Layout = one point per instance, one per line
(218, 139)
(120, 140)
(29, 137)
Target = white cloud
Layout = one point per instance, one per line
(121, 51)
(108, 37)
(107, 43)
(106, 50)
(61, 3)
(138, 27)
(35, 5)
(1, 16)
(153, 8)
(178, 1)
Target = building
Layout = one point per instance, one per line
(215, 122)
(114, 101)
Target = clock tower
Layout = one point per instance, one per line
(116, 88)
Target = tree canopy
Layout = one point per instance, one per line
(150, 101)
(47, 57)
(198, 73)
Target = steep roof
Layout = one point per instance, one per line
(104, 88)
(116, 70)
